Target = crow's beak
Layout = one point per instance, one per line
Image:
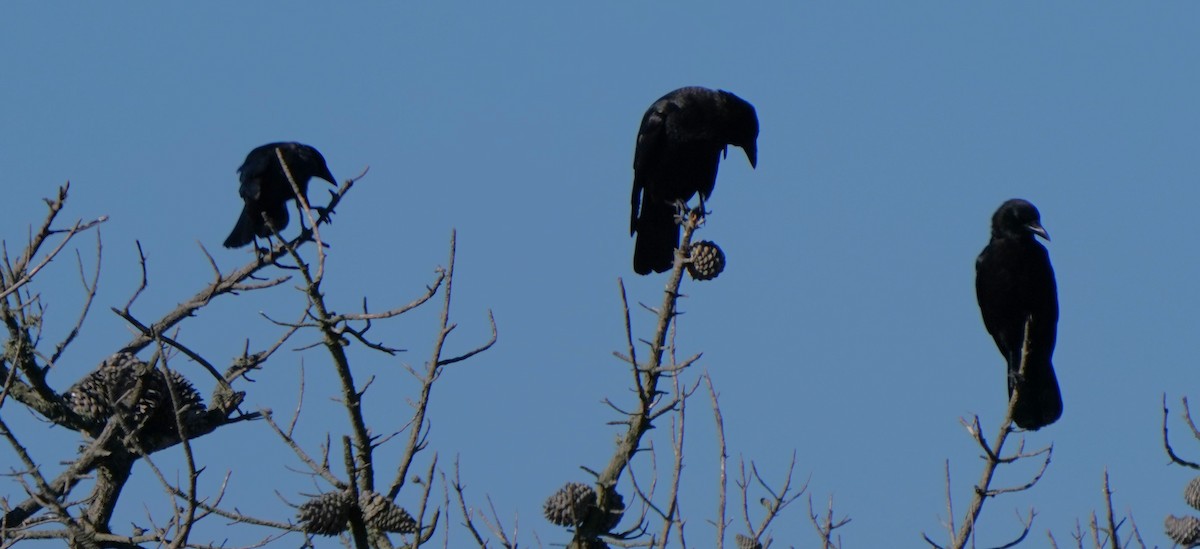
(330, 178)
(1036, 228)
(752, 154)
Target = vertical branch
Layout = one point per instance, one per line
(1114, 541)
(826, 525)
(358, 527)
(432, 369)
(992, 458)
(651, 372)
(677, 432)
(421, 536)
(89, 296)
(724, 456)
(183, 531)
(333, 342)
(460, 490)
(949, 503)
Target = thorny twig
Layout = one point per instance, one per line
(646, 379)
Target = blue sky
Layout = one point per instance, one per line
(845, 327)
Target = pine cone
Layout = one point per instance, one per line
(327, 514)
(188, 400)
(575, 503)
(570, 504)
(382, 514)
(1183, 530)
(108, 388)
(706, 260)
(87, 398)
(747, 542)
(1191, 494)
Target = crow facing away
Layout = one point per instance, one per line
(265, 188)
(679, 146)
(1014, 282)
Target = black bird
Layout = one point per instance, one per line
(1014, 282)
(678, 149)
(265, 188)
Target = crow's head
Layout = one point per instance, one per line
(741, 125)
(1018, 218)
(308, 161)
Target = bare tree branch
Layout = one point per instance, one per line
(993, 458)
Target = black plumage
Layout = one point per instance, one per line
(265, 188)
(1014, 281)
(679, 147)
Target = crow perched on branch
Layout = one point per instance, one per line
(679, 146)
(1014, 282)
(265, 188)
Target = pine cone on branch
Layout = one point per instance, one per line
(747, 542)
(1183, 530)
(706, 260)
(109, 391)
(1191, 494)
(575, 504)
(383, 514)
(327, 514)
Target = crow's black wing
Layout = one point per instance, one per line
(650, 144)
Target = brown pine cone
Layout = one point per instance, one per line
(327, 514)
(747, 542)
(383, 514)
(574, 504)
(1191, 494)
(569, 506)
(706, 260)
(108, 389)
(1183, 530)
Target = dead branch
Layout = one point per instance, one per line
(433, 370)
(233, 282)
(993, 457)
(826, 525)
(460, 491)
(646, 382)
(723, 456)
(89, 296)
(1187, 415)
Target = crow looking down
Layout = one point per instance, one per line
(266, 190)
(679, 146)
(1014, 282)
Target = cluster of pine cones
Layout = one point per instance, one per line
(329, 514)
(1186, 530)
(109, 391)
(574, 505)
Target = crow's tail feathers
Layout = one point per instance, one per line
(250, 224)
(1039, 402)
(657, 238)
(243, 232)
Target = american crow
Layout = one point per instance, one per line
(1014, 282)
(265, 188)
(678, 148)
